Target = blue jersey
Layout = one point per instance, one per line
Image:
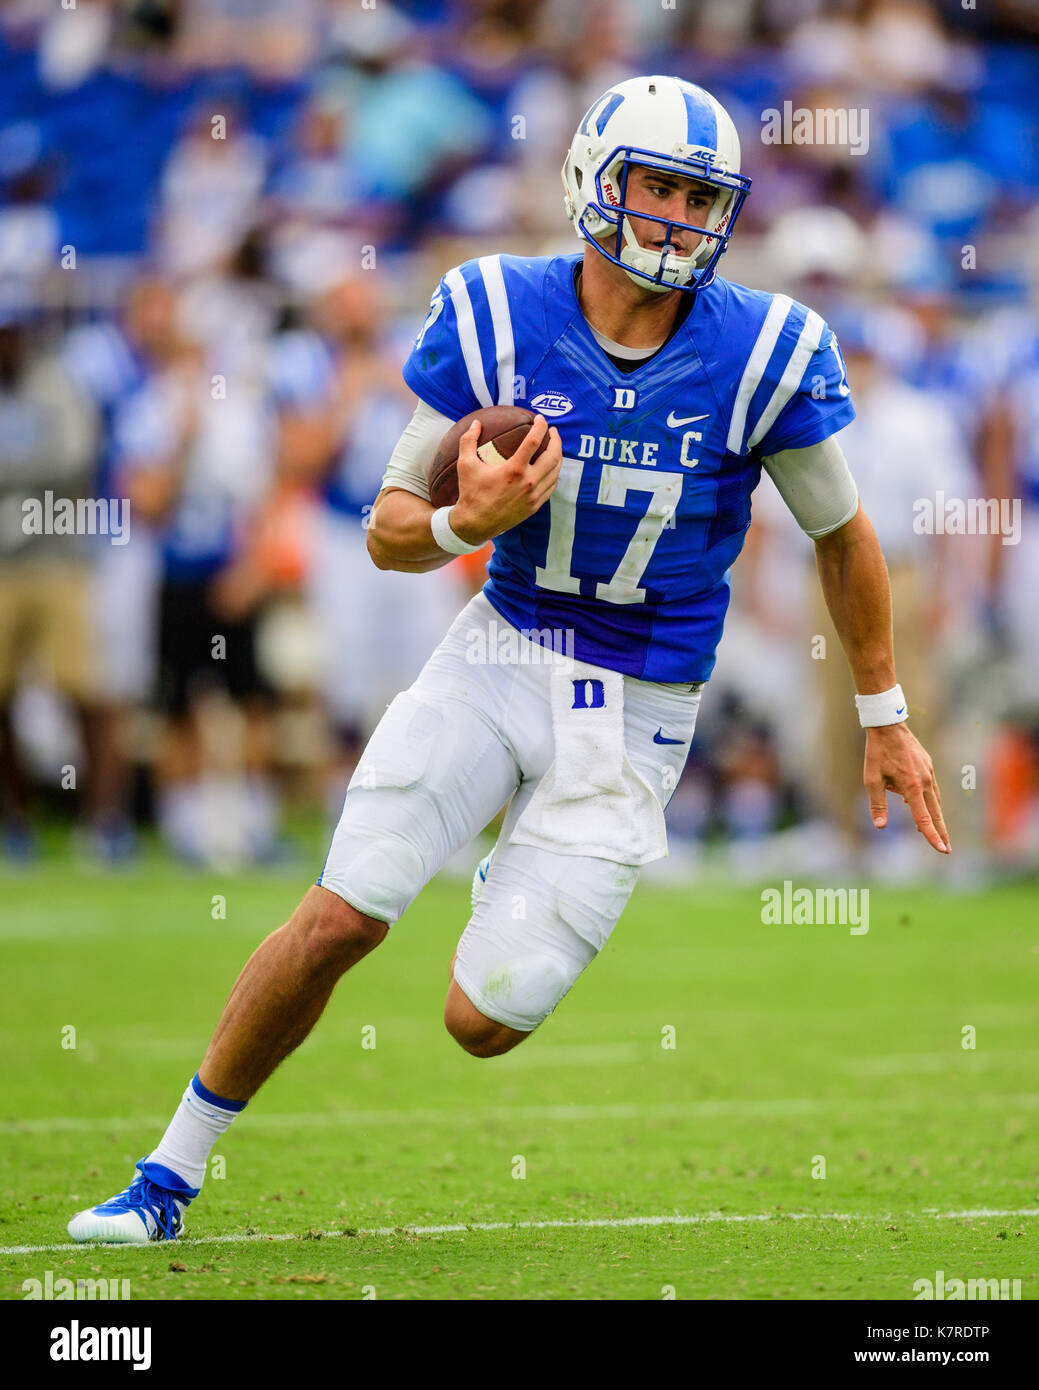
(631, 555)
(108, 368)
(303, 379)
(1022, 400)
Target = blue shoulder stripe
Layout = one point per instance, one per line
(501, 327)
(799, 339)
(468, 294)
(485, 334)
(757, 364)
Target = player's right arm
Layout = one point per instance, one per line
(493, 497)
(453, 369)
(155, 436)
(404, 540)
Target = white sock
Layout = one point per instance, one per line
(201, 1119)
(179, 817)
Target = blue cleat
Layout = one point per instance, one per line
(142, 1212)
(19, 845)
(111, 842)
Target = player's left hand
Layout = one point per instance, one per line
(896, 761)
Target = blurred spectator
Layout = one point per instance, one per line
(314, 181)
(210, 190)
(343, 408)
(74, 42)
(817, 253)
(29, 229)
(1013, 474)
(389, 93)
(46, 455)
(109, 362)
(197, 462)
(275, 38)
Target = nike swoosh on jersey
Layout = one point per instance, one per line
(658, 737)
(673, 421)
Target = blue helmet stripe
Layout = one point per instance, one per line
(607, 111)
(701, 121)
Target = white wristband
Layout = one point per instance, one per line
(445, 538)
(888, 707)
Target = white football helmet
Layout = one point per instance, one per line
(662, 123)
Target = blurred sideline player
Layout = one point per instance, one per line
(197, 467)
(1012, 475)
(48, 430)
(111, 363)
(670, 389)
(341, 410)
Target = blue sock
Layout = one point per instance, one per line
(183, 1152)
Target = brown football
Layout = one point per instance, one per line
(502, 430)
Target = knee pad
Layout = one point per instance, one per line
(371, 865)
(430, 778)
(541, 919)
(391, 837)
(518, 957)
(519, 989)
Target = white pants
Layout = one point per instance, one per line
(448, 754)
(1019, 588)
(125, 603)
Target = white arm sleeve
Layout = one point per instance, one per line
(816, 484)
(408, 467)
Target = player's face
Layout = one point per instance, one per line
(671, 196)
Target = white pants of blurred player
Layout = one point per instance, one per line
(1019, 589)
(375, 628)
(124, 602)
(466, 739)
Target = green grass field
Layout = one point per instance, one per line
(792, 1044)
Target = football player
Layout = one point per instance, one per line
(568, 689)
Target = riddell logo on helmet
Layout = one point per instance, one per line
(609, 194)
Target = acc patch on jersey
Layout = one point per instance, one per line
(552, 403)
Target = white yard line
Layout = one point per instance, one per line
(607, 1223)
(473, 1114)
(663, 1110)
(921, 1062)
(576, 1055)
